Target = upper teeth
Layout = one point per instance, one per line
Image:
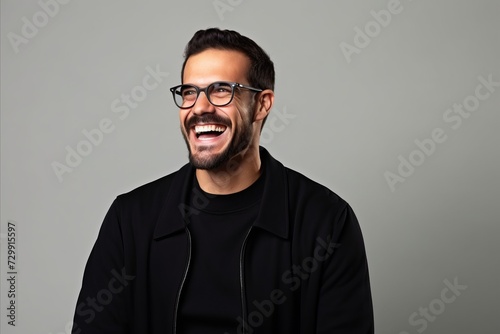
(208, 128)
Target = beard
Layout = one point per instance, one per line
(242, 137)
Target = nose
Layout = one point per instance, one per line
(202, 105)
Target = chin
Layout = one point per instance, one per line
(208, 162)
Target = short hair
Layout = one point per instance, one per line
(261, 72)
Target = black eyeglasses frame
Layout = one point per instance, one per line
(233, 85)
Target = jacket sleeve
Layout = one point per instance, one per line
(102, 305)
(345, 303)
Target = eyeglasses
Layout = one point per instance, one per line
(218, 93)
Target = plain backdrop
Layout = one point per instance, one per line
(384, 102)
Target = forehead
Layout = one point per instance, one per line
(216, 65)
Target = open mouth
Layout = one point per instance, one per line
(207, 131)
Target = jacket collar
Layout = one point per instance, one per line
(273, 214)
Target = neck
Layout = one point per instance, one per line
(237, 174)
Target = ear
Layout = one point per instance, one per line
(264, 103)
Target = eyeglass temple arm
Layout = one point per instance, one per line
(250, 88)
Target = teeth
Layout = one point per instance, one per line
(207, 128)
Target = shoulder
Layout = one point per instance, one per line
(153, 192)
(299, 189)
(316, 211)
(302, 189)
(305, 198)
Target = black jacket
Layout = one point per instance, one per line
(303, 265)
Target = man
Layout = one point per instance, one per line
(233, 242)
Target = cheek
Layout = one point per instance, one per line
(182, 117)
(243, 110)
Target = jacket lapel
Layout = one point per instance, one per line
(170, 250)
(274, 216)
(173, 215)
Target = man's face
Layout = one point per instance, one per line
(214, 135)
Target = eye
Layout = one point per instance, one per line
(188, 92)
(221, 89)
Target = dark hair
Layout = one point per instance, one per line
(261, 72)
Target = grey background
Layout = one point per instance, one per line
(349, 121)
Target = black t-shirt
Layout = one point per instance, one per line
(211, 297)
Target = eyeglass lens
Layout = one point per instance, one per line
(218, 93)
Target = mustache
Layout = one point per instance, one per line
(207, 118)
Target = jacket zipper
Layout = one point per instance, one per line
(242, 282)
(176, 308)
